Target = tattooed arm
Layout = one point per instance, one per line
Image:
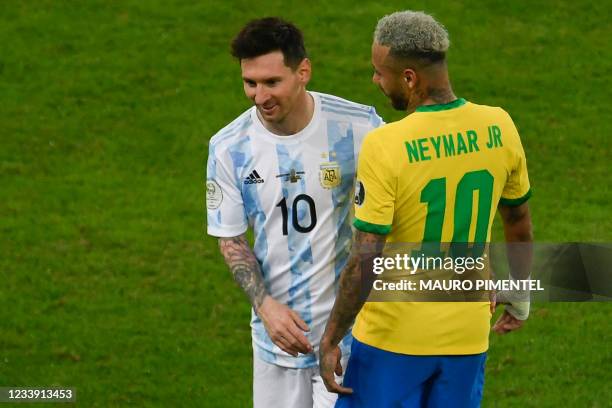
(284, 326)
(519, 250)
(244, 267)
(351, 297)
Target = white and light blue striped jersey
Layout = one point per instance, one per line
(296, 193)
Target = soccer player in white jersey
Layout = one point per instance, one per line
(285, 168)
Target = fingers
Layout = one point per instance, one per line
(514, 324)
(290, 344)
(498, 327)
(285, 328)
(333, 386)
(303, 345)
(285, 345)
(329, 362)
(330, 381)
(338, 369)
(300, 342)
(298, 320)
(291, 340)
(506, 323)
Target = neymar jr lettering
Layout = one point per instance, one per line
(453, 144)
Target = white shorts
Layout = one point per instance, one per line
(275, 386)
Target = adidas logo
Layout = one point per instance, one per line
(253, 178)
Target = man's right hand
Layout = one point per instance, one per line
(507, 323)
(285, 327)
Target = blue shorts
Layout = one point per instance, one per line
(382, 379)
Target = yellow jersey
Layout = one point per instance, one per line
(436, 176)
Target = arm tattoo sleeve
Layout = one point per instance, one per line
(351, 295)
(245, 268)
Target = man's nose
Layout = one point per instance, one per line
(261, 95)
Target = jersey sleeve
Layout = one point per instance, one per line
(225, 212)
(375, 119)
(375, 189)
(517, 189)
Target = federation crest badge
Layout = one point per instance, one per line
(329, 175)
(214, 195)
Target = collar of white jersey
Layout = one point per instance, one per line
(303, 134)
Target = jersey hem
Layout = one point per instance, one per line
(417, 351)
(513, 202)
(371, 228)
(280, 363)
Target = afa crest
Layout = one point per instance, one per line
(329, 175)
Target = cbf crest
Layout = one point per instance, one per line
(329, 175)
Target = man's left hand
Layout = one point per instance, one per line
(329, 362)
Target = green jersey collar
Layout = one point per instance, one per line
(435, 108)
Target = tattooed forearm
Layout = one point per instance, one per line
(348, 302)
(242, 263)
(351, 295)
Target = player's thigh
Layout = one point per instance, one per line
(280, 387)
(320, 396)
(459, 383)
(384, 379)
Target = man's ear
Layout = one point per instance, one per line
(304, 71)
(410, 77)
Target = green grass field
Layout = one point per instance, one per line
(109, 283)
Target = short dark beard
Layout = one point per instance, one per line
(408, 103)
(399, 102)
(398, 99)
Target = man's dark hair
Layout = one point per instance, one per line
(270, 34)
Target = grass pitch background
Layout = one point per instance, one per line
(110, 285)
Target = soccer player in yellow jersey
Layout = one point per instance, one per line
(438, 175)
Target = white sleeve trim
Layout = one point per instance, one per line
(226, 231)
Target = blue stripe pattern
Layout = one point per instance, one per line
(343, 107)
(342, 151)
(242, 158)
(354, 113)
(343, 103)
(300, 252)
(299, 245)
